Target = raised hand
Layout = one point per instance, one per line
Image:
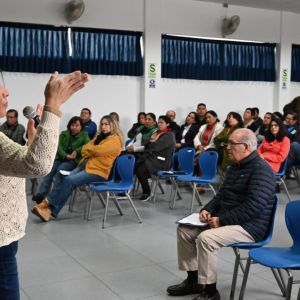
(59, 90)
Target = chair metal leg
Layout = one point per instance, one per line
(160, 187)
(286, 190)
(175, 193)
(198, 195)
(194, 187)
(289, 285)
(101, 199)
(298, 297)
(88, 206)
(154, 188)
(134, 208)
(245, 278)
(117, 204)
(72, 200)
(212, 188)
(235, 272)
(106, 208)
(280, 281)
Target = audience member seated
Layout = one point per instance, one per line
(89, 126)
(143, 135)
(156, 156)
(291, 125)
(188, 131)
(294, 155)
(233, 122)
(175, 127)
(276, 145)
(12, 129)
(98, 159)
(67, 157)
(204, 139)
(201, 111)
(249, 119)
(115, 116)
(294, 106)
(240, 212)
(265, 127)
(279, 115)
(257, 119)
(135, 127)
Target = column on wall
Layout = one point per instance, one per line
(282, 86)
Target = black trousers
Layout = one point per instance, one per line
(143, 174)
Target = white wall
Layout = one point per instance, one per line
(128, 95)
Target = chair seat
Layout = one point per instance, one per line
(195, 179)
(278, 258)
(112, 187)
(248, 246)
(169, 174)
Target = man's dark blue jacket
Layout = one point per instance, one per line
(246, 197)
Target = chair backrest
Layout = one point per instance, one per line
(272, 222)
(282, 169)
(125, 167)
(208, 164)
(186, 159)
(292, 213)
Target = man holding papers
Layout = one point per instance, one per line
(240, 212)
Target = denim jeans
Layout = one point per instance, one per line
(61, 192)
(9, 282)
(54, 175)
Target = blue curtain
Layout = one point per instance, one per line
(44, 49)
(202, 59)
(295, 73)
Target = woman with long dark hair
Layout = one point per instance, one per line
(275, 147)
(156, 156)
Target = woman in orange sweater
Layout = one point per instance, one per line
(275, 146)
(98, 158)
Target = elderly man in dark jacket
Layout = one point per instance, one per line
(240, 212)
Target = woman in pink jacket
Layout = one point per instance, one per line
(275, 146)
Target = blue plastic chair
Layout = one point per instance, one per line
(186, 166)
(280, 176)
(125, 169)
(248, 246)
(208, 166)
(110, 179)
(280, 258)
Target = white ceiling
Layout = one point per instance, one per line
(286, 5)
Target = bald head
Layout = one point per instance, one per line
(171, 114)
(241, 143)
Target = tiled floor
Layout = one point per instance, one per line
(70, 258)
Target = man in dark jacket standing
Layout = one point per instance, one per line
(240, 212)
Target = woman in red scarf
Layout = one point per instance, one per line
(157, 154)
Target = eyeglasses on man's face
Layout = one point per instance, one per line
(232, 143)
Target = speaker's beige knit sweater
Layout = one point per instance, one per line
(19, 162)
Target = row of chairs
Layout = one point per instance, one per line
(207, 164)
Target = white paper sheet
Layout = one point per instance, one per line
(193, 220)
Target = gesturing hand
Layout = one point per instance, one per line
(59, 90)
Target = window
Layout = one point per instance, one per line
(204, 59)
(44, 49)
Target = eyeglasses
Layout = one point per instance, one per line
(232, 143)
